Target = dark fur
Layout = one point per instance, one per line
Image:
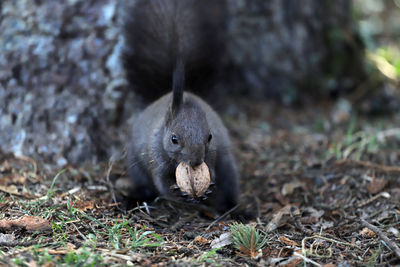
(175, 43)
(154, 32)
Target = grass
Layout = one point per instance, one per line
(355, 144)
(84, 256)
(141, 238)
(387, 61)
(372, 261)
(101, 234)
(210, 257)
(66, 218)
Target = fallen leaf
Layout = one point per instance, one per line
(6, 239)
(290, 262)
(201, 240)
(367, 232)
(13, 179)
(71, 246)
(12, 189)
(28, 223)
(288, 188)
(84, 205)
(394, 231)
(314, 212)
(277, 219)
(377, 185)
(5, 166)
(288, 241)
(222, 241)
(59, 251)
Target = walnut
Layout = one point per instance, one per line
(194, 181)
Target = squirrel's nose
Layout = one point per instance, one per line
(195, 162)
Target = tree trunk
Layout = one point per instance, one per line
(291, 49)
(63, 96)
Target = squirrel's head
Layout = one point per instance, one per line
(187, 135)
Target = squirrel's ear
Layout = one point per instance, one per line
(169, 117)
(178, 82)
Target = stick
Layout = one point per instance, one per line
(305, 259)
(384, 168)
(389, 242)
(222, 216)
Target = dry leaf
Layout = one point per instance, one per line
(5, 166)
(288, 241)
(12, 189)
(290, 262)
(13, 179)
(288, 188)
(377, 185)
(28, 223)
(7, 238)
(314, 212)
(201, 240)
(222, 241)
(367, 232)
(277, 218)
(394, 231)
(84, 205)
(294, 263)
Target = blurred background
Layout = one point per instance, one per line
(64, 97)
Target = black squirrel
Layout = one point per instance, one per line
(176, 44)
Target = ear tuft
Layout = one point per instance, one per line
(178, 82)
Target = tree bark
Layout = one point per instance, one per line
(63, 95)
(291, 49)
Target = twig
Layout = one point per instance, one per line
(303, 243)
(24, 243)
(17, 243)
(222, 216)
(389, 242)
(183, 221)
(369, 164)
(372, 199)
(327, 239)
(305, 259)
(108, 182)
(298, 224)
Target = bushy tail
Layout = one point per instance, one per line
(158, 32)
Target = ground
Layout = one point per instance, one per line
(314, 178)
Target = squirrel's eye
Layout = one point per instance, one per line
(174, 139)
(209, 137)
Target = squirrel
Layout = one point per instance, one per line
(175, 45)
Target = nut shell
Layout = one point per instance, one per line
(194, 181)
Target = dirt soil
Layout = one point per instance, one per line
(316, 179)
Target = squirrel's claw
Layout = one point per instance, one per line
(174, 187)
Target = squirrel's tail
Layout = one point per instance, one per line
(160, 32)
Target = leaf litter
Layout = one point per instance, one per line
(315, 205)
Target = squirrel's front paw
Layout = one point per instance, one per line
(177, 191)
